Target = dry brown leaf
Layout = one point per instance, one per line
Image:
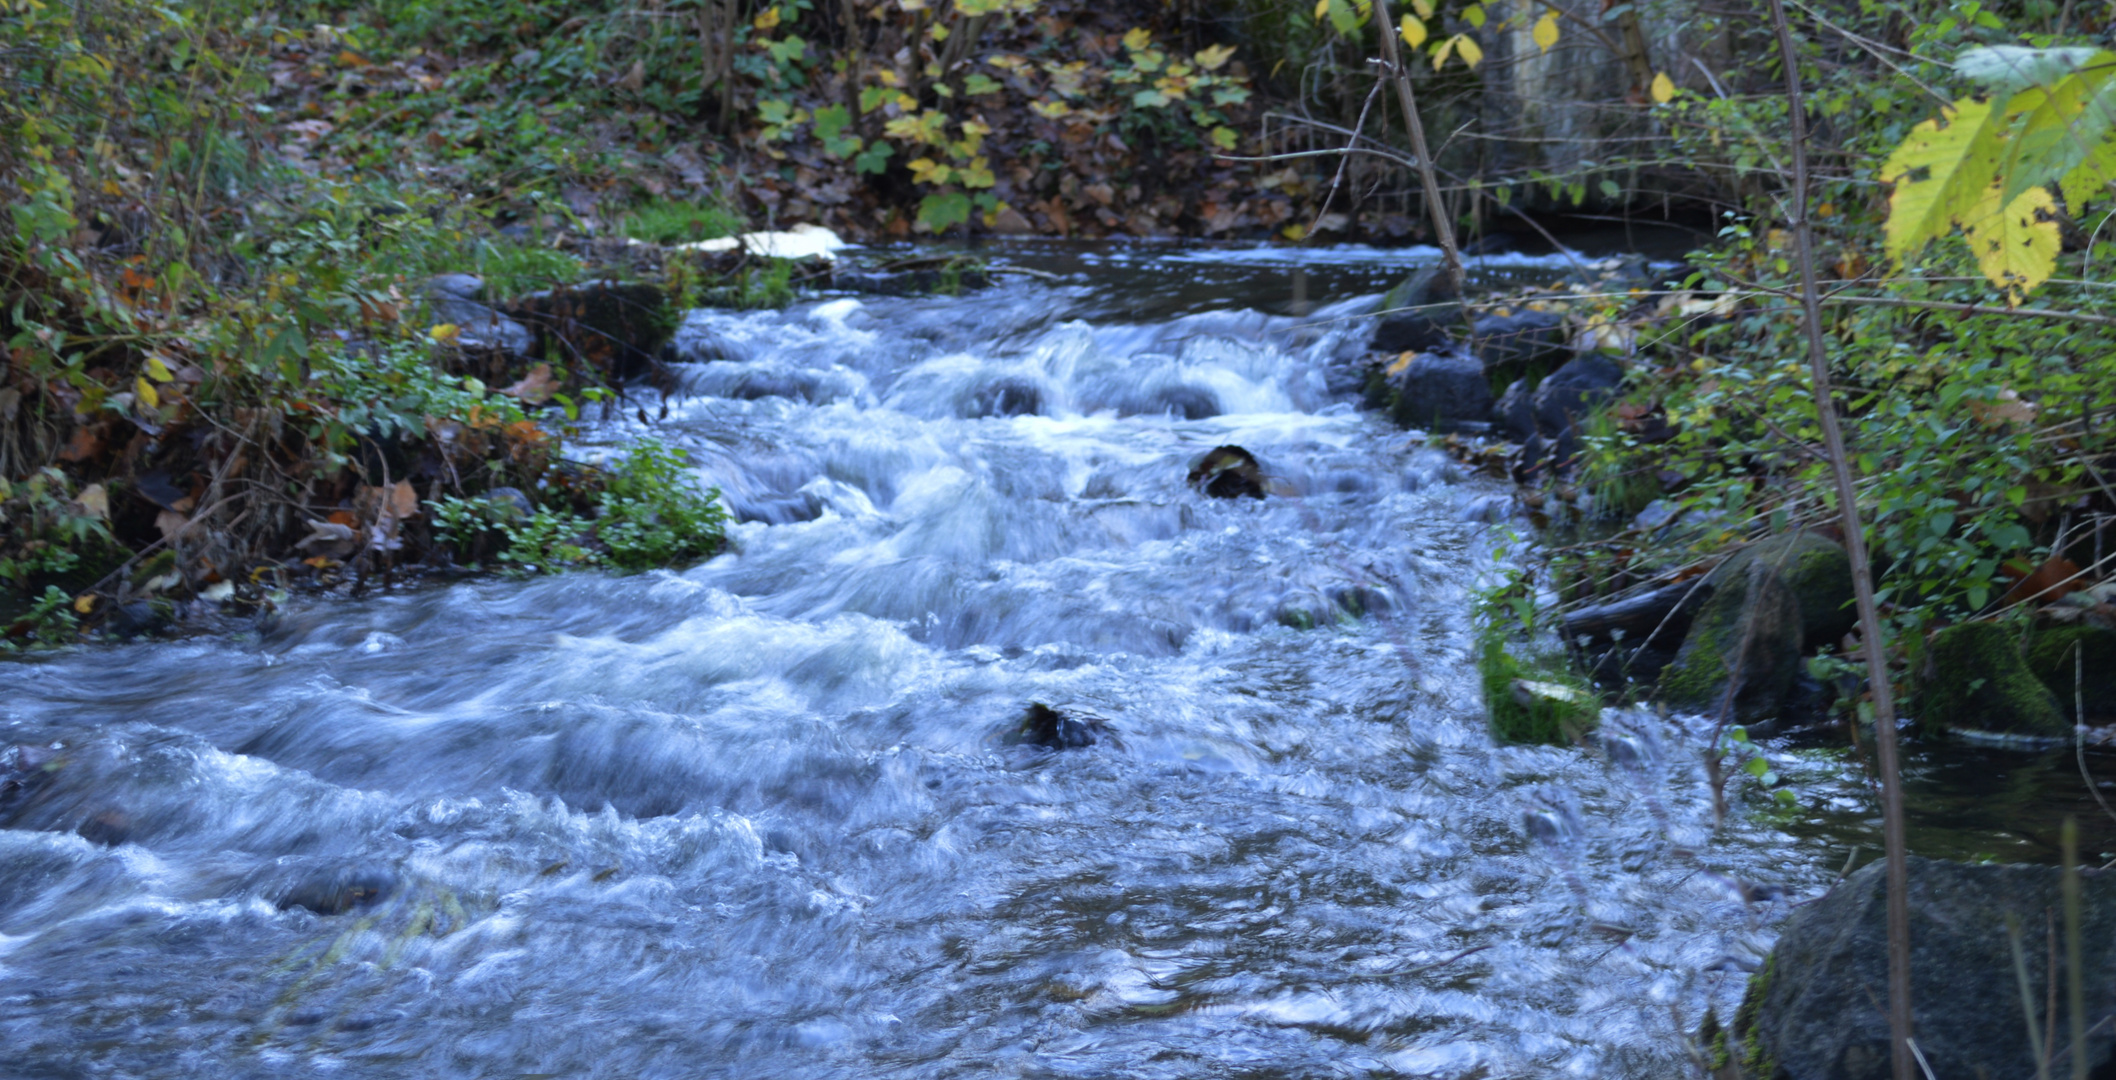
(2056, 577)
(535, 387)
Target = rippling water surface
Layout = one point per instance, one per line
(758, 818)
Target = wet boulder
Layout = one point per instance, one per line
(1418, 313)
(1055, 729)
(1439, 391)
(1227, 472)
(1514, 414)
(1974, 680)
(1564, 398)
(335, 891)
(1817, 1010)
(1518, 344)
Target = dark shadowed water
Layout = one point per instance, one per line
(758, 818)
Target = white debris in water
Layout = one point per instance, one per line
(799, 242)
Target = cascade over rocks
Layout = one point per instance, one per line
(1815, 1013)
(1054, 729)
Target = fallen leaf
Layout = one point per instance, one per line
(171, 524)
(84, 445)
(536, 387)
(403, 501)
(94, 502)
(2056, 577)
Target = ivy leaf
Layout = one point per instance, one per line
(940, 211)
(1957, 156)
(1212, 58)
(2016, 246)
(977, 174)
(874, 160)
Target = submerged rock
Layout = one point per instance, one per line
(1227, 472)
(1052, 729)
(1817, 1009)
(1975, 680)
(335, 892)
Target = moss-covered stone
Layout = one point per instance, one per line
(1817, 570)
(1974, 678)
(1736, 1052)
(1747, 633)
(2050, 656)
(1530, 704)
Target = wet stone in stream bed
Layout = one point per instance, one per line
(748, 819)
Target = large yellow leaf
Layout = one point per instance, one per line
(1940, 173)
(1545, 32)
(2015, 246)
(1413, 31)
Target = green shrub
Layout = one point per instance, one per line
(650, 512)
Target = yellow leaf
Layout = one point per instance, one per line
(157, 370)
(1413, 31)
(1050, 110)
(1958, 155)
(1294, 231)
(444, 333)
(84, 603)
(147, 394)
(1663, 89)
(767, 20)
(1467, 48)
(94, 501)
(2016, 246)
(1424, 8)
(1212, 58)
(928, 171)
(1545, 32)
(1446, 47)
(1139, 38)
(1322, 8)
(978, 174)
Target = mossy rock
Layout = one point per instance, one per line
(1817, 570)
(2050, 657)
(1526, 704)
(1974, 679)
(1748, 632)
(1736, 1052)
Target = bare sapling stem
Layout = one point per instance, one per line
(1443, 230)
(1892, 829)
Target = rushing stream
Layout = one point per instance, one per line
(760, 818)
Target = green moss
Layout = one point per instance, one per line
(2049, 655)
(1749, 627)
(1563, 716)
(1975, 679)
